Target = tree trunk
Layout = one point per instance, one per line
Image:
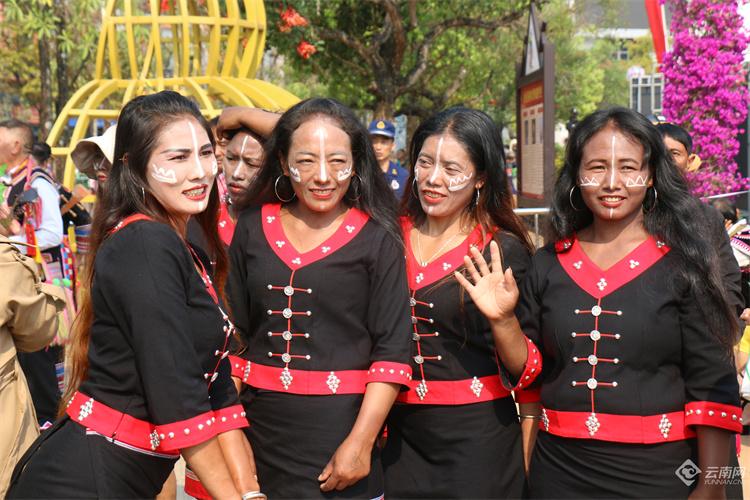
(63, 83)
(45, 79)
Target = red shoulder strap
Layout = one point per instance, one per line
(130, 219)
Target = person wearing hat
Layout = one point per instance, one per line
(94, 156)
(382, 134)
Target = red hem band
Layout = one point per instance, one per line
(650, 429)
(274, 378)
(146, 436)
(454, 392)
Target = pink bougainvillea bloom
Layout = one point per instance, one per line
(704, 89)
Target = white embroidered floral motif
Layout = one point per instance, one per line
(286, 378)
(280, 243)
(602, 283)
(325, 249)
(476, 387)
(665, 426)
(634, 264)
(545, 419)
(333, 382)
(86, 409)
(446, 266)
(297, 261)
(592, 424)
(419, 278)
(577, 265)
(154, 440)
(270, 219)
(421, 390)
(349, 229)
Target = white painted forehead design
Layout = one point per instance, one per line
(321, 132)
(200, 172)
(437, 160)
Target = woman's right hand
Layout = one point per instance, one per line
(493, 291)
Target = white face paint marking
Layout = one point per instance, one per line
(585, 181)
(200, 172)
(453, 184)
(611, 212)
(242, 149)
(160, 175)
(612, 177)
(416, 174)
(321, 135)
(430, 209)
(437, 161)
(344, 174)
(294, 173)
(200, 206)
(639, 182)
(214, 168)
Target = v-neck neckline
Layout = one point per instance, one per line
(283, 248)
(599, 282)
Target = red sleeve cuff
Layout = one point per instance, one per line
(240, 367)
(531, 369)
(196, 430)
(714, 414)
(528, 395)
(386, 371)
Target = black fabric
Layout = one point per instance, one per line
(293, 446)
(359, 308)
(666, 359)
(66, 463)
(460, 451)
(41, 375)
(155, 331)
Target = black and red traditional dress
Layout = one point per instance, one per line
(316, 327)
(456, 434)
(159, 379)
(630, 369)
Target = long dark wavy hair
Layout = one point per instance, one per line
(126, 192)
(481, 138)
(371, 195)
(676, 217)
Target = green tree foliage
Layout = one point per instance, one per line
(51, 47)
(417, 57)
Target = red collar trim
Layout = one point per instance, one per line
(443, 265)
(226, 226)
(277, 239)
(600, 283)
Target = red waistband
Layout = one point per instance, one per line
(279, 379)
(146, 436)
(454, 392)
(620, 428)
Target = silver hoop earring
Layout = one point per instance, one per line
(143, 192)
(571, 200)
(414, 185)
(656, 198)
(476, 198)
(355, 190)
(276, 190)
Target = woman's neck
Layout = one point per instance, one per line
(313, 219)
(437, 226)
(602, 231)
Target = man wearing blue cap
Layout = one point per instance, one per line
(382, 133)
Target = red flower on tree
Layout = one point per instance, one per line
(292, 18)
(305, 50)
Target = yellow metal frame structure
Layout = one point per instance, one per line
(204, 49)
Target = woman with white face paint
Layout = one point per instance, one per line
(628, 306)
(456, 433)
(318, 292)
(149, 378)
